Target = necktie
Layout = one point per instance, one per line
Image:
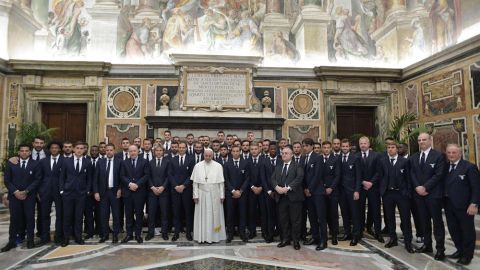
(422, 159)
(245, 156)
(94, 162)
(77, 167)
(125, 156)
(108, 168)
(158, 163)
(296, 160)
(307, 159)
(198, 159)
(236, 164)
(23, 164)
(324, 159)
(54, 162)
(148, 156)
(133, 163)
(273, 161)
(284, 171)
(224, 160)
(392, 160)
(452, 167)
(181, 161)
(344, 158)
(364, 157)
(38, 155)
(255, 161)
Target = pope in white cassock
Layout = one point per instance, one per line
(208, 195)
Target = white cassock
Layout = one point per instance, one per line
(208, 188)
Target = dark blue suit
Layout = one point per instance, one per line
(134, 200)
(92, 207)
(366, 170)
(158, 178)
(430, 175)
(256, 203)
(49, 192)
(182, 202)
(349, 207)
(108, 195)
(462, 188)
(395, 189)
(74, 186)
(267, 172)
(22, 212)
(122, 156)
(330, 175)
(237, 179)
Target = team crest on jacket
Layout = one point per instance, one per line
(462, 176)
(433, 165)
(30, 172)
(351, 167)
(243, 171)
(401, 170)
(312, 165)
(331, 167)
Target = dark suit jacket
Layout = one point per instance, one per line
(268, 170)
(159, 175)
(20, 179)
(50, 177)
(100, 183)
(348, 173)
(366, 171)
(330, 172)
(138, 175)
(220, 160)
(119, 155)
(462, 185)
(294, 180)
(311, 178)
(431, 175)
(237, 179)
(256, 178)
(401, 175)
(181, 175)
(74, 183)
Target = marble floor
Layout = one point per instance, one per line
(160, 254)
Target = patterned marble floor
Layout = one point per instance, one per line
(159, 254)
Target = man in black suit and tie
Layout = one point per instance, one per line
(49, 192)
(190, 143)
(237, 183)
(427, 172)
(462, 199)
(330, 175)
(123, 155)
(349, 195)
(245, 149)
(38, 153)
(107, 192)
(147, 152)
(288, 182)
(22, 180)
(158, 197)
(180, 171)
(75, 185)
(256, 196)
(271, 161)
(92, 208)
(198, 152)
(366, 170)
(223, 159)
(134, 175)
(167, 144)
(395, 188)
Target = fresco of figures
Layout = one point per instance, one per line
(356, 29)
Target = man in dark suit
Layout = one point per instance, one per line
(462, 198)
(49, 192)
(237, 183)
(181, 168)
(134, 175)
(22, 180)
(330, 175)
(147, 152)
(38, 153)
(123, 155)
(75, 184)
(427, 171)
(366, 170)
(349, 195)
(314, 192)
(288, 182)
(395, 188)
(256, 196)
(198, 152)
(224, 155)
(158, 197)
(107, 192)
(92, 207)
(271, 161)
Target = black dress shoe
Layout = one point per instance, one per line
(321, 246)
(354, 242)
(80, 241)
(57, 240)
(149, 237)
(283, 244)
(269, 239)
(115, 239)
(103, 239)
(370, 231)
(455, 255)
(379, 238)
(296, 245)
(229, 238)
(139, 239)
(165, 236)
(127, 239)
(464, 260)
(392, 243)
(9, 246)
(310, 242)
(30, 244)
(439, 256)
(65, 242)
(43, 242)
(244, 237)
(334, 240)
(189, 237)
(409, 249)
(424, 249)
(175, 237)
(252, 235)
(346, 237)
(89, 236)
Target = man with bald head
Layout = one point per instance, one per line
(134, 175)
(462, 197)
(427, 171)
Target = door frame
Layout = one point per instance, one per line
(34, 97)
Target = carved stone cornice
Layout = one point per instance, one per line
(36, 67)
(209, 59)
(358, 73)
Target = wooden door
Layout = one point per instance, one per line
(69, 118)
(355, 120)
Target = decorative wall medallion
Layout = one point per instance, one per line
(303, 104)
(123, 101)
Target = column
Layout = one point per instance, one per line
(274, 22)
(311, 30)
(104, 28)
